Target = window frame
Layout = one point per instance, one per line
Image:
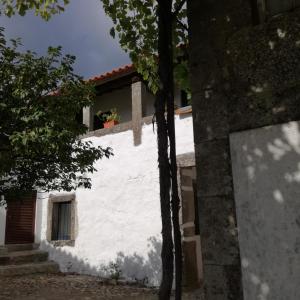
(57, 199)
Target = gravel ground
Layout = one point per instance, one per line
(65, 287)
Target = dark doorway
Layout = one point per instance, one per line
(20, 219)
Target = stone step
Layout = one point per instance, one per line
(3, 250)
(23, 257)
(17, 270)
(21, 247)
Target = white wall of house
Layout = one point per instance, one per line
(149, 100)
(119, 99)
(119, 218)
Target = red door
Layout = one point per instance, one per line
(20, 219)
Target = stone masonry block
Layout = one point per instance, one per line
(188, 207)
(219, 239)
(210, 116)
(213, 168)
(222, 286)
(186, 180)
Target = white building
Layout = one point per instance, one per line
(117, 220)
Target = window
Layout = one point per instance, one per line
(61, 221)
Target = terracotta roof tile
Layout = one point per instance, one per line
(113, 73)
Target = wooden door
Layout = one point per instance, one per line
(20, 219)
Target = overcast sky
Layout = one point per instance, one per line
(82, 30)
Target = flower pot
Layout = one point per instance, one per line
(110, 124)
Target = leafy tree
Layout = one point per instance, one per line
(44, 8)
(136, 25)
(40, 98)
(151, 32)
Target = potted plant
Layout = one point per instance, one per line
(101, 116)
(108, 119)
(112, 119)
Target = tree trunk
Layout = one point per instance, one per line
(163, 156)
(175, 204)
(165, 97)
(173, 163)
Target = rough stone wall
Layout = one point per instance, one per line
(242, 77)
(211, 24)
(265, 67)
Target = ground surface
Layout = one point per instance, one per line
(64, 287)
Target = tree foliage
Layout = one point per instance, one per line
(154, 33)
(40, 98)
(44, 8)
(136, 25)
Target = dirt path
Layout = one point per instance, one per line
(65, 287)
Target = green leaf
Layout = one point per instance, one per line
(112, 32)
(39, 147)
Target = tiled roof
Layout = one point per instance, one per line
(115, 73)
(105, 77)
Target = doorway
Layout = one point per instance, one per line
(20, 219)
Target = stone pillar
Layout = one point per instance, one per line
(211, 23)
(138, 91)
(88, 117)
(193, 275)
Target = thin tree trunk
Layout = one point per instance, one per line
(166, 97)
(163, 156)
(165, 184)
(173, 163)
(175, 203)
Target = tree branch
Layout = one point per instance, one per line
(178, 9)
(182, 25)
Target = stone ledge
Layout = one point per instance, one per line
(28, 269)
(123, 127)
(62, 243)
(186, 159)
(3, 250)
(116, 129)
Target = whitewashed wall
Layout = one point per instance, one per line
(119, 99)
(119, 218)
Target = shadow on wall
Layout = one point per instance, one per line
(266, 168)
(137, 268)
(130, 267)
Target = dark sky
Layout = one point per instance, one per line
(82, 30)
